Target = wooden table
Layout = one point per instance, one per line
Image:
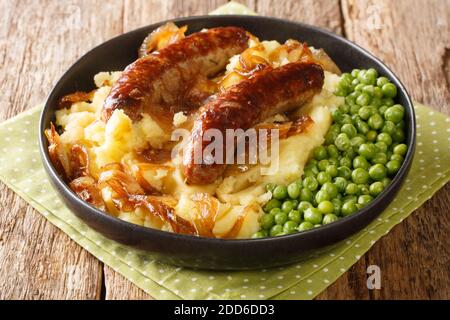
(42, 38)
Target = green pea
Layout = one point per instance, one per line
(295, 203)
(381, 81)
(376, 188)
(303, 205)
(359, 87)
(396, 157)
(367, 150)
(363, 99)
(349, 129)
(382, 109)
(326, 207)
(337, 203)
(344, 172)
(389, 90)
(345, 108)
(309, 173)
(260, 234)
(313, 216)
(389, 127)
(295, 216)
(380, 158)
(360, 162)
(362, 127)
(368, 78)
(323, 177)
(364, 200)
(377, 172)
(293, 190)
(341, 90)
(345, 161)
(399, 135)
(320, 153)
(381, 146)
(354, 109)
(305, 226)
(342, 142)
(274, 211)
(363, 189)
(281, 218)
(322, 195)
(360, 176)
(340, 183)
(351, 189)
(384, 137)
(348, 208)
(310, 183)
(306, 195)
(287, 206)
(333, 162)
(355, 73)
(330, 188)
(276, 230)
(329, 218)
(270, 187)
(317, 225)
(375, 122)
(369, 89)
(400, 149)
(389, 102)
(332, 170)
(290, 226)
(350, 153)
(355, 142)
(323, 164)
(393, 166)
(377, 93)
(386, 181)
(401, 124)
(333, 151)
(365, 112)
(280, 192)
(346, 119)
(371, 136)
(350, 198)
(394, 113)
(271, 204)
(267, 221)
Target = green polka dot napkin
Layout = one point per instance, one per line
(21, 169)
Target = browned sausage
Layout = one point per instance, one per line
(247, 103)
(163, 78)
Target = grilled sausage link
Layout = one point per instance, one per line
(164, 77)
(245, 104)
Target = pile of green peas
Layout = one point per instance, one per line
(363, 150)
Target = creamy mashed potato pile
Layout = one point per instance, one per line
(237, 199)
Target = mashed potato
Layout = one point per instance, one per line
(234, 203)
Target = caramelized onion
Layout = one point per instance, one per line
(72, 98)
(87, 189)
(57, 153)
(161, 37)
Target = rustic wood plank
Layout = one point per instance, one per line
(321, 13)
(412, 38)
(38, 41)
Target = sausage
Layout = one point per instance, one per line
(163, 78)
(267, 92)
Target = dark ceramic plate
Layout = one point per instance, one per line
(208, 253)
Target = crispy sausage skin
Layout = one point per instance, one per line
(245, 104)
(163, 78)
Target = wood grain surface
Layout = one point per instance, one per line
(39, 39)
